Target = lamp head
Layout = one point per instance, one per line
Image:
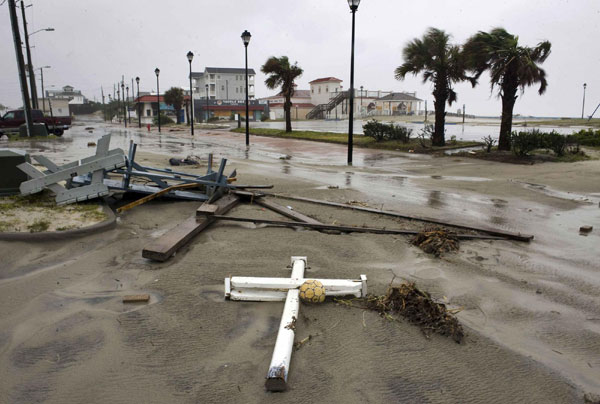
(353, 4)
(49, 29)
(246, 37)
(137, 80)
(190, 56)
(157, 71)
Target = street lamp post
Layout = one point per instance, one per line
(246, 39)
(353, 7)
(139, 113)
(361, 101)
(127, 107)
(190, 56)
(118, 104)
(157, 72)
(206, 86)
(124, 107)
(583, 105)
(41, 69)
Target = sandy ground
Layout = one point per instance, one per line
(531, 311)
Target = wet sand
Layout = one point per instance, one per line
(532, 311)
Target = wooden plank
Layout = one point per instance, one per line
(207, 209)
(282, 210)
(165, 246)
(346, 229)
(487, 230)
(136, 298)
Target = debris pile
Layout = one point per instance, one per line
(436, 241)
(416, 306)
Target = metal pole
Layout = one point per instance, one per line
(124, 104)
(191, 117)
(351, 115)
(43, 92)
(34, 101)
(247, 116)
(463, 114)
(127, 103)
(583, 105)
(118, 104)
(207, 103)
(138, 105)
(21, 65)
(227, 89)
(158, 101)
(103, 106)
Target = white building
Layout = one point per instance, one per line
(324, 89)
(224, 83)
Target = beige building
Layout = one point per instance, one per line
(301, 105)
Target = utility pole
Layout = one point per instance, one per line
(463, 113)
(425, 110)
(103, 107)
(12, 10)
(583, 105)
(34, 100)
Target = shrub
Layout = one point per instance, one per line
(524, 143)
(587, 137)
(555, 142)
(376, 130)
(382, 131)
(164, 119)
(489, 143)
(398, 132)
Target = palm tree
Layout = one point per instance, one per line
(441, 63)
(511, 66)
(282, 73)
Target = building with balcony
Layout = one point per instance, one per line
(224, 83)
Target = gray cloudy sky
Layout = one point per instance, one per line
(97, 41)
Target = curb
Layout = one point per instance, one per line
(61, 235)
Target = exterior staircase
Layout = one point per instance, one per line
(320, 110)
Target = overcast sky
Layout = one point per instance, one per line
(97, 41)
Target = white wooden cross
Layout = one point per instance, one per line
(286, 289)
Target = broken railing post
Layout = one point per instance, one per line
(282, 353)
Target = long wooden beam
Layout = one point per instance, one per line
(345, 229)
(494, 232)
(164, 247)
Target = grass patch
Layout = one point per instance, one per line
(38, 226)
(562, 122)
(537, 156)
(15, 137)
(358, 140)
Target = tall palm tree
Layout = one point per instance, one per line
(511, 66)
(441, 63)
(282, 73)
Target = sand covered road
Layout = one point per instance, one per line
(531, 310)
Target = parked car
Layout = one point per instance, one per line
(12, 120)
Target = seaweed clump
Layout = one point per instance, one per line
(436, 241)
(415, 306)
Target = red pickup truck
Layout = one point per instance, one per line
(12, 120)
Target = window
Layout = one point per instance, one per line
(236, 90)
(10, 115)
(148, 112)
(219, 76)
(319, 89)
(326, 89)
(312, 90)
(222, 88)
